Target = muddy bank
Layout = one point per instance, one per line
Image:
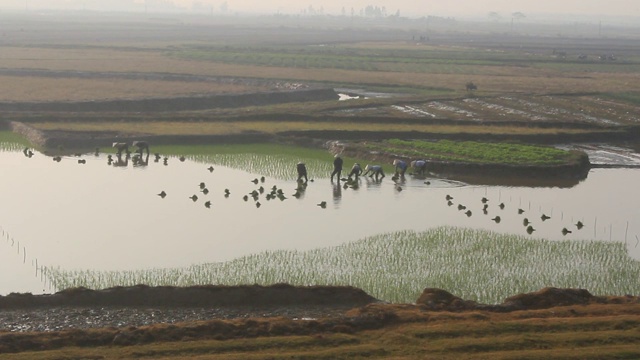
(195, 296)
(441, 300)
(125, 326)
(158, 105)
(57, 140)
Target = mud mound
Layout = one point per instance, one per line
(195, 296)
(438, 299)
(441, 300)
(549, 297)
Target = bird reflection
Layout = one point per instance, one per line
(140, 160)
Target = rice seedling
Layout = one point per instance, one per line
(396, 267)
(471, 151)
(273, 161)
(10, 141)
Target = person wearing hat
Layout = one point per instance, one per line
(374, 170)
(401, 167)
(356, 171)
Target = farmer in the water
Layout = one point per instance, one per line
(419, 167)
(302, 172)
(337, 167)
(372, 170)
(356, 170)
(401, 167)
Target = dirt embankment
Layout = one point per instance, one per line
(173, 104)
(366, 314)
(284, 295)
(195, 296)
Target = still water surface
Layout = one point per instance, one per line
(101, 217)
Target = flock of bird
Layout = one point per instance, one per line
(276, 193)
(525, 221)
(273, 193)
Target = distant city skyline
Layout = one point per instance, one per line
(406, 8)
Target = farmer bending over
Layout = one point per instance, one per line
(419, 166)
(401, 167)
(356, 171)
(372, 170)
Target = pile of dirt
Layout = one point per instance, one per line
(438, 299)
(441, 300)
(194, 296)
(549, 297)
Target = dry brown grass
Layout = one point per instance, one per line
(41, 89)
(599, 331)
(503, 79)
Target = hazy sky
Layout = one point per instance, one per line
(454, 7)
(408, 8)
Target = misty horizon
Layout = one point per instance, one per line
(492, 10)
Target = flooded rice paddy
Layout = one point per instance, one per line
(584, 109)
(82, 221)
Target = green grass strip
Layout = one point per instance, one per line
(476, 152)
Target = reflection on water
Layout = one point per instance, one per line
(97, 216)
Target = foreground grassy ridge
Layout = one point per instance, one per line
(477, 152)
(403, 332)
(474, 264)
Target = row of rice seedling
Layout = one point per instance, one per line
(474, 264)
(273, 166)
(273, 161)
(473, 151)
(10, 141)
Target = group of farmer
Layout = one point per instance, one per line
(401, 166)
